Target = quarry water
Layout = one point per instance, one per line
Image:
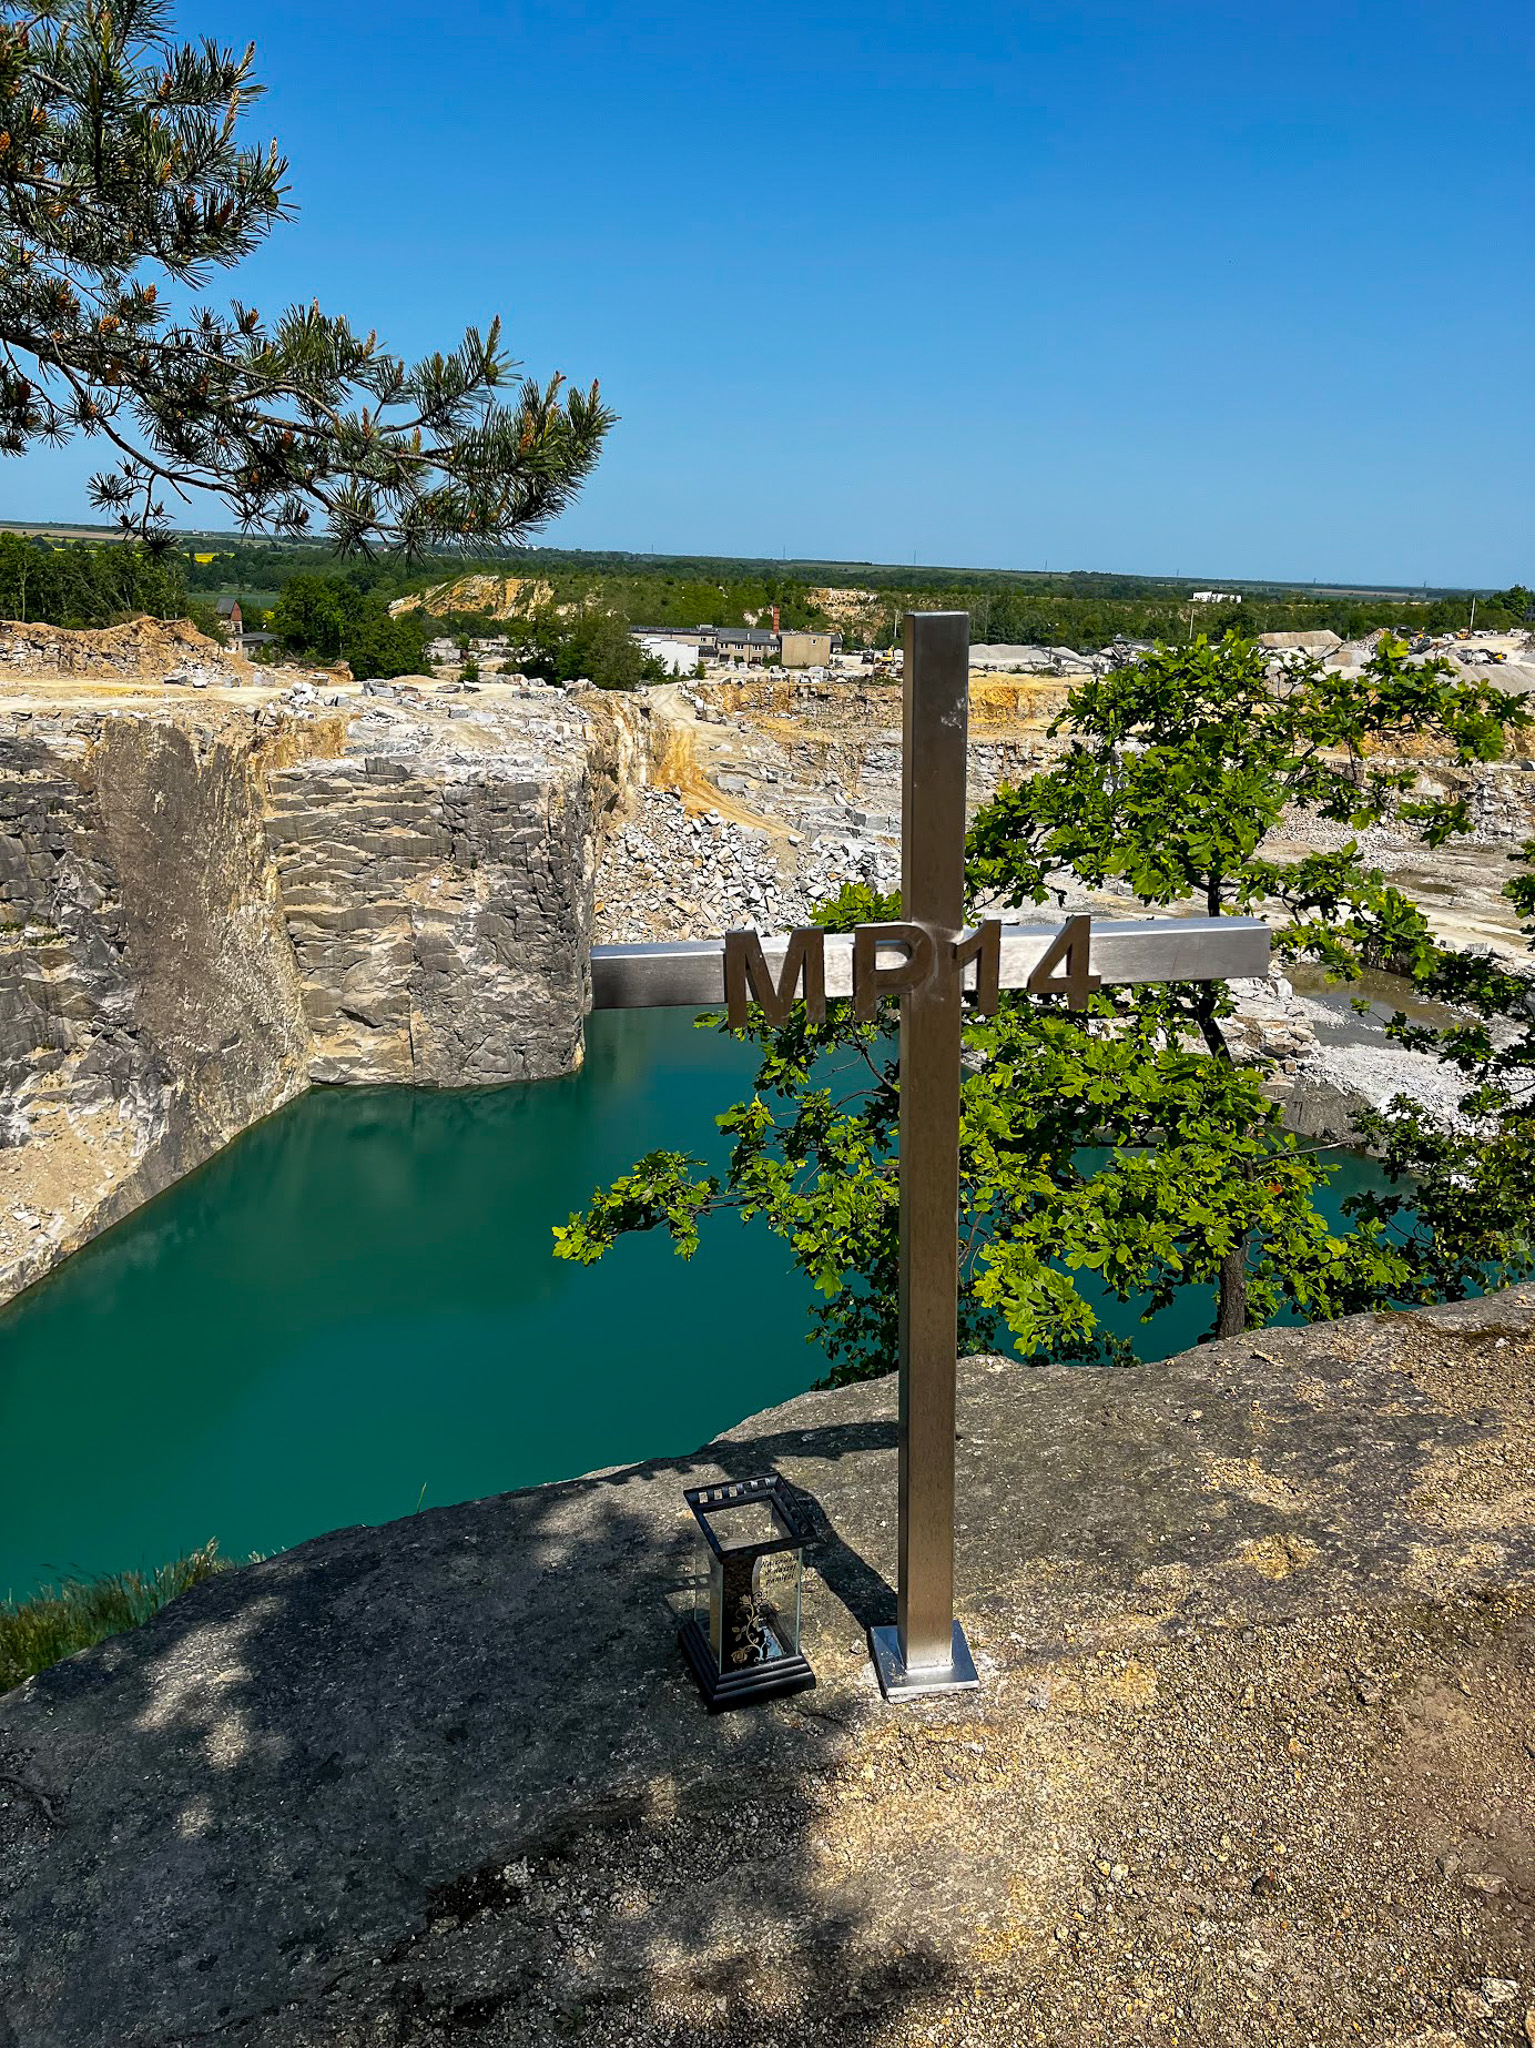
(354, 1309)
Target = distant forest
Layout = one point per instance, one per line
(86, 583)
(1079, 609)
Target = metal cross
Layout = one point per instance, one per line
(929, 960)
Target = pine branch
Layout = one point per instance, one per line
(119, 155)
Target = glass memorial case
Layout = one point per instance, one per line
(742, 1639)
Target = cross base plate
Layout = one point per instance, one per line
(896, 1681)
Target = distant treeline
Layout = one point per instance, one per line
(260, 565)
(84, 584)
(1083, 622)
(1080, 611)
(1070, 608)
(898, 577)
(1043, 618)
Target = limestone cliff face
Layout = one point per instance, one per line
(207, 905)
(149, 1004)
(498, 597)
(437, 883)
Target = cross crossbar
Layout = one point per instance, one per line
(690, 973)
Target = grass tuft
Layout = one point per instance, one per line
(62, 1619)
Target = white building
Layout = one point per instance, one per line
(679, 657)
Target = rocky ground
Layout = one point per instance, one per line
(1253, 1758)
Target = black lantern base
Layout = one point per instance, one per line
(765, 1681)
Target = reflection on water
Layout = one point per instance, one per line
(1386, 994)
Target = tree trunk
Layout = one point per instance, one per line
(1231, 1317)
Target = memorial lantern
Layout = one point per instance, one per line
(742, 1639)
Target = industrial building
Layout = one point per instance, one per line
(745, 643)
(805, 650)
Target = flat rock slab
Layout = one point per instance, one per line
(1253, 1757)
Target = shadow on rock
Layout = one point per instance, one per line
(441, 1780)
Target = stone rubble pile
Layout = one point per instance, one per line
(1269, 1024)
(830, 862)
(142, 650)
(298, 700)
(29, 654)
(1308, 828)
(1499, 797)
(1020, 659)
(1499, 800)
(197, 675)
(669, 874)
(701, 707)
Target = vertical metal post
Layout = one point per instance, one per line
(926, 1651)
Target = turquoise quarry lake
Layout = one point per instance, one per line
(355, 1307)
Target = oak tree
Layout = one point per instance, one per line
(1127, 1143)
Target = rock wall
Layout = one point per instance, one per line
(206, 905)
(437, 884)
(149, 1004)
(220, 888)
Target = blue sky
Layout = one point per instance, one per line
(1188, 288)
